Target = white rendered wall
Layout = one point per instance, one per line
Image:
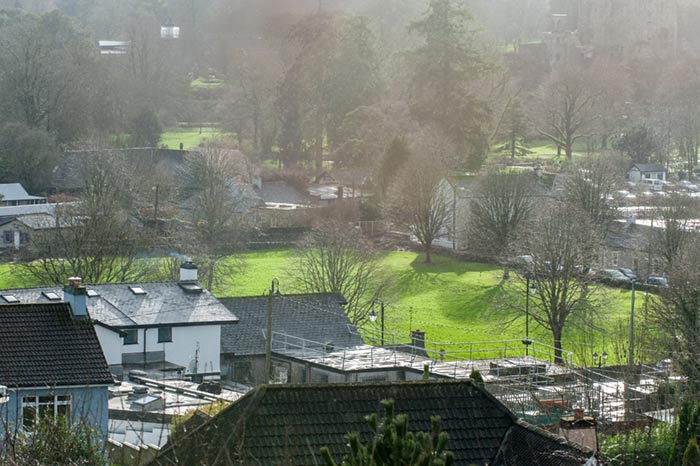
(181, 350)
(111, 343)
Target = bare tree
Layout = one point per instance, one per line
(336, 258)
(95, 239)
(217, 221)
(589, 186)
(667, 242)
(563, 244)
(677, 314)
(503, 202)
(417, 200)
(566, 114)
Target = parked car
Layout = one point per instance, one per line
(613, 274)
(657, 281)
(687, 185)
(629, 273)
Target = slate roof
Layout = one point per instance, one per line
(16, 192)
(281, 192)
(288, 424)
(316, 317)
(649, 167)
(163, 304)
(43, 345)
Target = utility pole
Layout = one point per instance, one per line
(631, 359)
(630, 363)
(274, 291)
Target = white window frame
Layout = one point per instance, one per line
(54, 403)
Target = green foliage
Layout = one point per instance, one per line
(56, 442)
(639, 143)
(650, 447)
(444, 68)
(476, 377)
(691, 457)
(145, 129)
(687, 428)
(27, 155)
(394, 445)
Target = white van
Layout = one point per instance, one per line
(653, 184)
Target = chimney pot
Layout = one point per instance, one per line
(188, 272)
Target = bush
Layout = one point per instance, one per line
(650, 446)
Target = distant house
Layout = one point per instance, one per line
(51, 364)
(19, 223)
(113, 47)
(303, 320)
(151, 326)
(458, 191)
(14, 194)
(287, 425)
(646, 171)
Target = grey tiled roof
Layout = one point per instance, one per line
(288, 424)
(316, 317)
(43, 345)
(282, 192)
(163, 304)
(649, 167)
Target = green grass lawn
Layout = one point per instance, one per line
(456, 303)
(189, 137)
(543, 149)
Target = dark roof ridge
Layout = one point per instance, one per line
(553, 436)
(290, 295)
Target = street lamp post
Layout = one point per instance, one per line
(274, 291)
(631, 360)
(600, 359)
(373, 317)
(528, 288)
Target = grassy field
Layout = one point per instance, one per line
(201, 83)
(189, 137)
(455, 303)
(544, 149)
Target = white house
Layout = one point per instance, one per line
(14, 194)
(646, 171)
(159, 326)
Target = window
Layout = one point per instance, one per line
(137, 290)
(51, 296)
(10, 298)
(165, 334)
(23, 238)
(36, 407)
(131, 337)
(92, 293)
(8, 237)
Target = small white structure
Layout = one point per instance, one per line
(646, 171)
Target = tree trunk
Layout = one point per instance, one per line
(558, 150)
(556, 334)
(569, 152)
(428, 250)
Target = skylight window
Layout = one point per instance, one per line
(10, 298)
(51, 296)
(92, 293)
(137, 290)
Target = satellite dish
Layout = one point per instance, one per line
(192, 366)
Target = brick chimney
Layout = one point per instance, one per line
(76, 295)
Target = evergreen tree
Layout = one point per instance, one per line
(395, 157)
(394, 445)
(691, 457)
(444, 69)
